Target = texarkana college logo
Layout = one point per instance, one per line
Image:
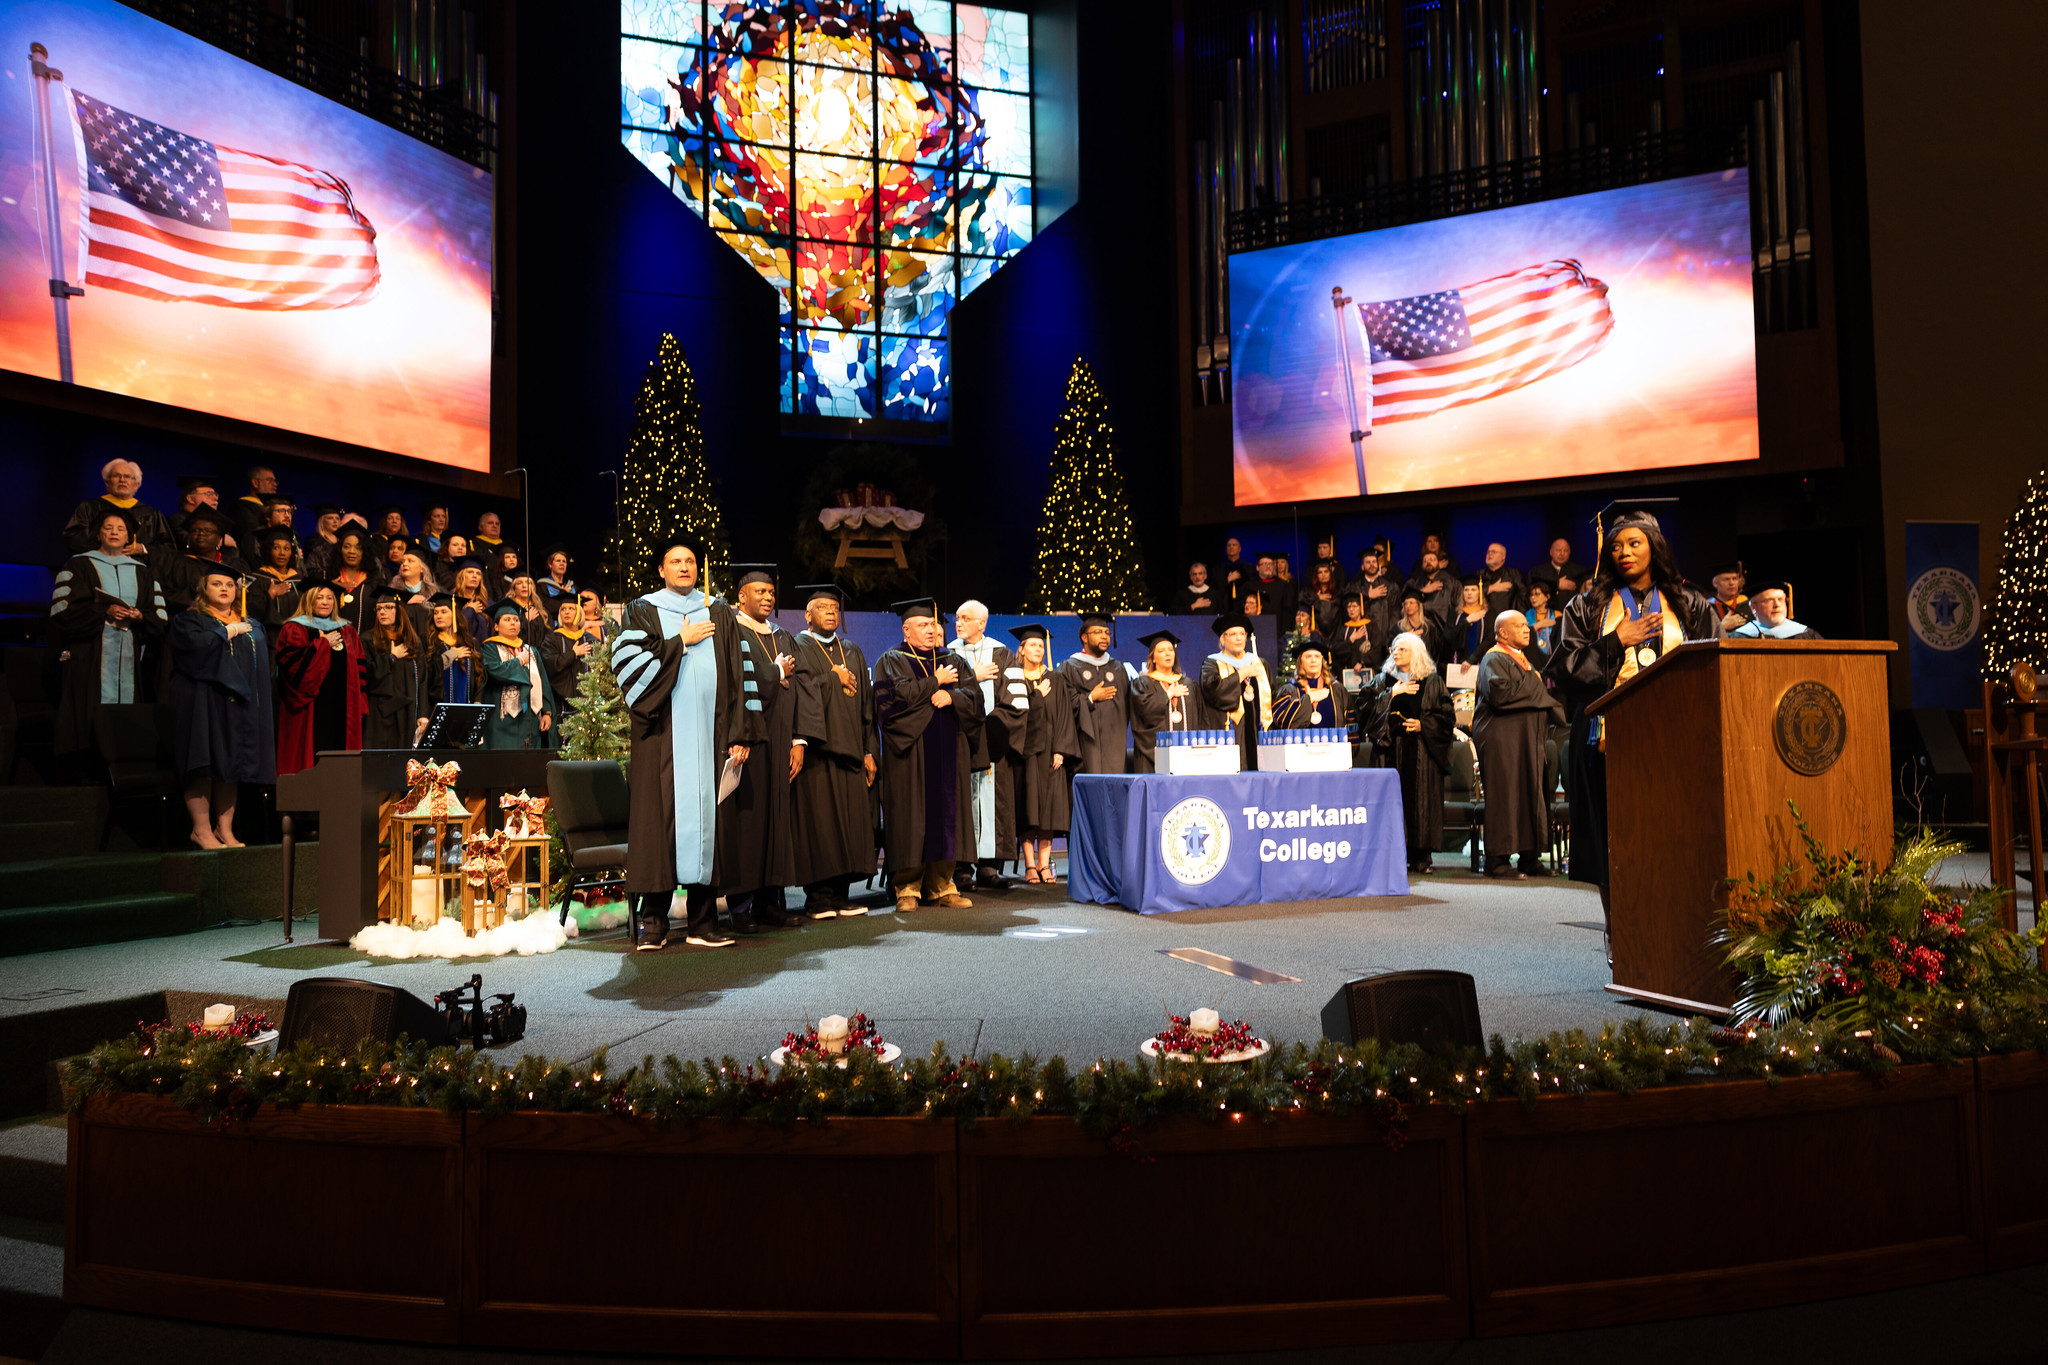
(1194, 839)
(1942, 607)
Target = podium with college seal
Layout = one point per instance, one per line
(1704, 749)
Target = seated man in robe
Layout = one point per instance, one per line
(1771, 619)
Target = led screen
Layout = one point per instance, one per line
(245, 247)
(1590, 335)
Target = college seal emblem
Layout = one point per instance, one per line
(1810, 728)
(1194, 840)
(1942, 609)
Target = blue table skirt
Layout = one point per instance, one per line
(1155, 843)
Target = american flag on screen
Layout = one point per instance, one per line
(1437, 351)
(173, 217)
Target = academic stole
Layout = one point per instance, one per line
(1638, 657)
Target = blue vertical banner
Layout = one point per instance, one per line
(1944, 614)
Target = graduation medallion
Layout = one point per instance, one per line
(1645, 657)
(1315, 718)
(1174, 717)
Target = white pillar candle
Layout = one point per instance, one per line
(515, 902)
(219, 1016)
(832, 1034)
(1204, 1021)
(426, 902)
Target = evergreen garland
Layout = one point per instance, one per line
(1088, 558)
(667, 489)
(2016, 621)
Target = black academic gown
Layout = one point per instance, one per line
(1365, 654)
(1431, 634)
(834, 807)
(1514, 597)
(1571, 569)
(927, 808)
(1586, 665)
(1460, 644)
(1383, 610)
(564, 667)
(648, 663)
(1513, 719)
(178, 574)
(220, 701)
(1152, 711)
(272, 612)
(1233, 590)
(401, 692)
(1439, 604)
(1208, 602)
(1025, 729)
(1421, 758)
(1225, 694)
(82, 532)
(755, 826)
(1101, 727)
(78, 620)
(1292, 708)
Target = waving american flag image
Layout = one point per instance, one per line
(170, 216)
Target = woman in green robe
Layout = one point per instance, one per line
(516, 682)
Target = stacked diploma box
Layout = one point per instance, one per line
(1202, 752)
(1304, 751)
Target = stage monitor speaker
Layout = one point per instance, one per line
(1430, 1008)
(336, 1011)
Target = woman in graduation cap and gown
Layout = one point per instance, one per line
(1411, 723)
(277, 583)
(405, 684)
(1471, 632)
(516, 683)
(220, 706)
(455, 651)
(107, 606)
(1635, 608)
(1163, 698)
(322, 681)
(1032, 740)
(1314, 699)
(356, 577)
(1236, 687)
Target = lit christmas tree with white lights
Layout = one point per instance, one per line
(1088, 557)
(666, 486)
(2016, 623)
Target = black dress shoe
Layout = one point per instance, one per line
(710, 938)
(653, 938)
(779, 919)
(745, 924)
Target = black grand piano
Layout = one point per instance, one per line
(346, 788)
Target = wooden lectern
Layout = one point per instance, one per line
(1704, 748)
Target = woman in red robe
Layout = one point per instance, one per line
(321, 681)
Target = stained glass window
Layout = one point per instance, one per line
(871, 158)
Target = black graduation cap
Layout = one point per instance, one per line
(1308, 642)
(190, 482)
(1100, 618)
(388, 508)
(916, 606)
(441, 599)
(326, 509)
(1631, 511)
(380, 596)
(280, 500)
(213, 569)
(1725, 566)
(1775, 585)
(504, 548)
(1151, 641)
(555, 548)
(1412, 594)
(205, 513)
(436, 506)
(744, 574)
(109, 510)
(470, 563)
(1229, 620)
(353, 533)
(1030, 630)
(1472, 580)
(811, 592)
(317, 583)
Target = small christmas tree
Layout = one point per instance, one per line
(2016, 623)
(667, 485)
(594, 726)
(1088, 557)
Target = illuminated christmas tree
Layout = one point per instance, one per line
(2016, 623)
(667, 488)
(1088, 557)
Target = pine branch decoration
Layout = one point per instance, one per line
(1088, 556)
(666, 488)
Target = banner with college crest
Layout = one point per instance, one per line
(1944, 614)
(1158, 843)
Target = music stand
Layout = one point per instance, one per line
(456, 725)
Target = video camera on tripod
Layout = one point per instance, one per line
(470, 1019)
